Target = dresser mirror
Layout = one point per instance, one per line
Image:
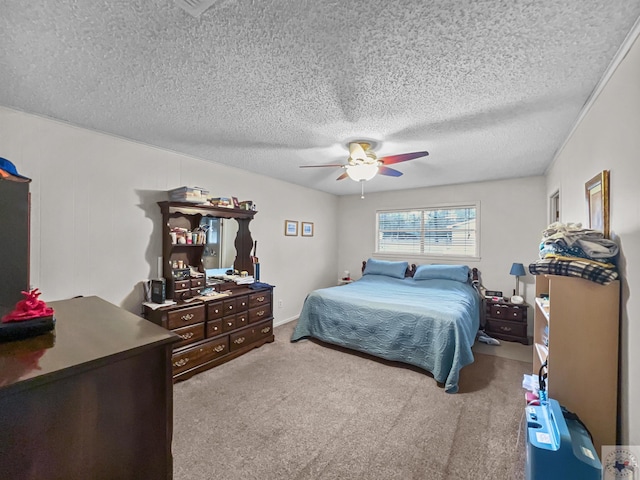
(219, 251)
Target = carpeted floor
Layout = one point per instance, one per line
(309, 411)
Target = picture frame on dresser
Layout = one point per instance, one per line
(597, 202)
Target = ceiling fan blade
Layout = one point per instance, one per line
(328, 165)
(343, 176)
(382, 170)
(403, 157)
(356, 152)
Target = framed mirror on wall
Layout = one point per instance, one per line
(554, 207)
(597, 202)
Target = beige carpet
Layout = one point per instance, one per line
(512, 350)
(309, 411)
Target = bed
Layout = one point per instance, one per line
(427, 317)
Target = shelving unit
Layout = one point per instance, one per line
(582, 318)
(188, 217)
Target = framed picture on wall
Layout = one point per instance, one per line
(291, 228)
(597, 197)
(307, 229)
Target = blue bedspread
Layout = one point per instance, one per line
(431, 324)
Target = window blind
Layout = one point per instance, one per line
(448, 231)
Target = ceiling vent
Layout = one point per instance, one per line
(195, 7)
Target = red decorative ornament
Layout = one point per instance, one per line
(28, 308)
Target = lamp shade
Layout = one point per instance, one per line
(362, 172)
(517, 269)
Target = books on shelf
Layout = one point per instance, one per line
(188, 194)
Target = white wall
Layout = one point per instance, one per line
(512, 217)
(608, 139)
(96, 225)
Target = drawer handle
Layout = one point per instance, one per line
(260, 313)
(187, 336)
(505, 329)
(260, 299)
(218, 348)
(498, 312)
(187, 317)
(266, 330)
(243, 304)
(216, 311)
(181, 363)
(230, 324)
(230, 307)
(239, 340)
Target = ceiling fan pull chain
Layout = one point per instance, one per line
(361, 188)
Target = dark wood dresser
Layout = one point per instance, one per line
(217, 330)
(91, 400)
(506, 321)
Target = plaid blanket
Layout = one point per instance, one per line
(574, 268)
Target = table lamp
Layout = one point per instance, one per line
(517, 269)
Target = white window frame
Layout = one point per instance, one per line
(430, 256)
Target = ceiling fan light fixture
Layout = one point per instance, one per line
(362, 172)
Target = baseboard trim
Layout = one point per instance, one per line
(277, 323)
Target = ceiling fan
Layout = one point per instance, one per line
(363, 164)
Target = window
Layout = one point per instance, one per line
(449, 231)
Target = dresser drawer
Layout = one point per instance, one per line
(214, 327)
(259, 313)
(505, 327)
(508, 312)
(197, 283)
(250, 335)
(260, 298)
(185, 316)
(228, 323)
(181, 285)
(517, 312)
(229, 306)
(214, 310)
(192, 357)
(189, 334)
(242, 319)
(242, 303)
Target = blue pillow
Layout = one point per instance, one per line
(459, 273)
(384, 267)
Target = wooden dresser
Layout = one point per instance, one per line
(506, 321)
(93, 399)
(215, 331)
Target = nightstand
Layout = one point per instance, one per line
(506, 321)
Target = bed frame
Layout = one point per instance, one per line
(411, 270)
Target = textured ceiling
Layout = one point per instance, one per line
(491, 88)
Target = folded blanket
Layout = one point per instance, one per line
(569, 233)
(600, 249)
(574, 268)
(572, 240)
(561, 248)
(571, 259)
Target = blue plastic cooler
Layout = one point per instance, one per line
(557, 447)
